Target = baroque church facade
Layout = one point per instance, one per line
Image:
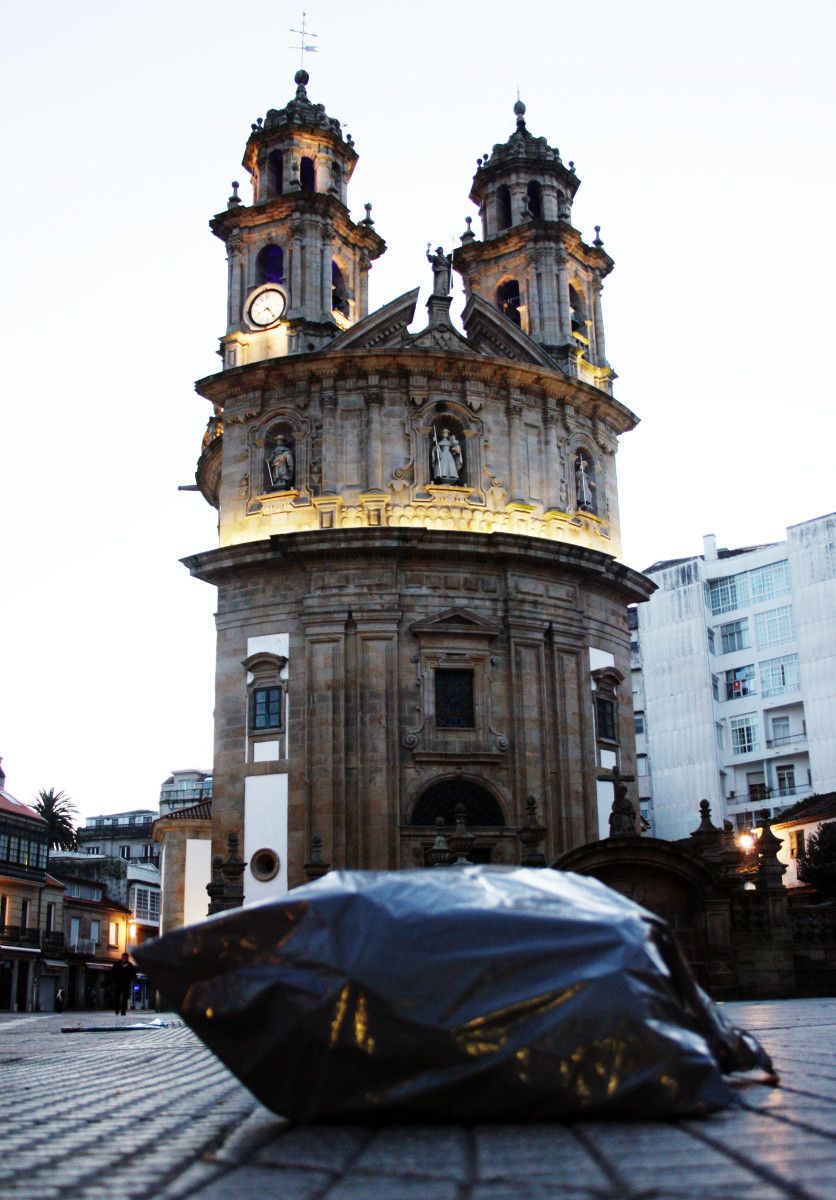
(420, 598)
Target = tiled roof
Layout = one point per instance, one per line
(814, 808)
(202, 811)
(84, 902)
(18, 808)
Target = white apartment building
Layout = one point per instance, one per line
(183, 788)
(734, 680)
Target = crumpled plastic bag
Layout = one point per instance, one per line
(464, 993)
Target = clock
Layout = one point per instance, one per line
(265, 307)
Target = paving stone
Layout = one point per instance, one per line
(167, 1121)
(427, 1152)
(248, 1183)
(328, 1147)
(367, 1187)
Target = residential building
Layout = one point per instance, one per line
(30, 902)
(184, 788)
(420, 598)
(125, 835)
(795, 827)
(96, 934)
(132, 883)
(734, 679)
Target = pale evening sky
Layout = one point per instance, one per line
(703, 137)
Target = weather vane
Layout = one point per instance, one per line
(303, 46)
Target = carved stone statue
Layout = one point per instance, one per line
(446, 457)
(623, 815)
(442, 265)
(584, 486)
(280, 464)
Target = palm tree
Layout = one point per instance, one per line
(59, 812)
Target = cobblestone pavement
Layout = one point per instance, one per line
(150, 1113)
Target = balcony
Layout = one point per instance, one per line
(24, 936)
(83, 946)
(785, 739)
(52, 940)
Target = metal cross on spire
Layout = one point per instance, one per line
(303, 46)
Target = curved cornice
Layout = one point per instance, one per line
(214, 566)
(431, 364)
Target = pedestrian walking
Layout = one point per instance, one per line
(122, 976)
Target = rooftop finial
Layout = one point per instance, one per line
(519, 109)
(597, 241)
(302, 47)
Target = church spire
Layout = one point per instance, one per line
(298, 264)
(530, 262)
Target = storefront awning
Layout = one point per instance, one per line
(18, 950)
(98, 966)
(53, 964)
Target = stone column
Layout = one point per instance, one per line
(326, 278)
(236, 270)
(364, 266)
(372, 826)
(516, 447)
(598, 322)
(563, 319)
(553, 462)
(329, 442)
(319, 804)
(295, 275)
(535, 323)
(374, 442)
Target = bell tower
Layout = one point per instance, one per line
(531, 263)
(298, 264)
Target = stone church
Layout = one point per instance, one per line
(420, 598)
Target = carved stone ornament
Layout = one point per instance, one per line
(248, 406)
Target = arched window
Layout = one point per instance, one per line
(578, 311)
(508, 300)
(339, 293)
(534, 195)
(503, 207)
(448, 450)
(585, 482)
(307, 175)
(275, 172)
(440, 800)
(269, 265)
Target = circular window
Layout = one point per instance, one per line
(264, 865)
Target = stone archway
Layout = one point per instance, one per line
(484, 817)
(674, 885)
(481, 807)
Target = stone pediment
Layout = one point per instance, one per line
(383, 329)
(459, 621)
(490, 332)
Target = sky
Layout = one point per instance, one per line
(703, 137)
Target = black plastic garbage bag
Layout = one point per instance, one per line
(467, 993)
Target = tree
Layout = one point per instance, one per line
(60, 814)
(817, 866)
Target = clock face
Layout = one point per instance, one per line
(266, 307)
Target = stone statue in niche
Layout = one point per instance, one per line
(446, 457)
(442, 265)
(584, 483)
(280, 465)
